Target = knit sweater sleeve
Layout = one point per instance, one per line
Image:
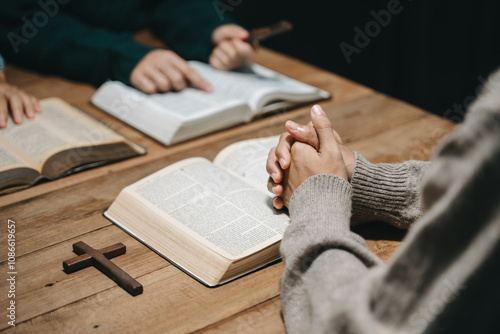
(442, 279)
(187, 26)
(321, 254)
(387, 192)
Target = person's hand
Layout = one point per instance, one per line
(280, 157)
(160, 71)
(230, 50)
(17, 102)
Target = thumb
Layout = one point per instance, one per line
(303, 133)
(323, 128)
(337, 136)
(229, 31)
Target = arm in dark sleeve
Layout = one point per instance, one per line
(66, 46)
(187, 26)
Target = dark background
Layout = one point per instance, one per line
(434, 54)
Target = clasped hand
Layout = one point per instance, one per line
(304, 151)
(161, 70)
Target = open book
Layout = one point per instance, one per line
(214, 220)
(57, 142)
(237, 97)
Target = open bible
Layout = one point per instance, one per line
(214, 220)
(238, 97)
(57, 142)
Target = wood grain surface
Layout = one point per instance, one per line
(50, 217)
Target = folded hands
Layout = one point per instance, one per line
(304, 151)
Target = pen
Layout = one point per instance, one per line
(259, 34)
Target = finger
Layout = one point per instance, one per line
(36, 104)
(283, 150)
(323, 129)
(28, 107)
(193, 77)
(176, 78)
(303, 133)
(229, 31)
(229, 49)
(215, 62)
(278, 203)
(16, 107)
(223, 57)
(243, 49)
(160, 80)
(272, 166)
(337, 138)
(270, 184)
(275, 188)
(143, 83)
(4, 112)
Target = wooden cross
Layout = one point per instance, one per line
(100, 259)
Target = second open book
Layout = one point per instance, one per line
(237, 97)
(214, 220)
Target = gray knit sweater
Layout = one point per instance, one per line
(443, 279)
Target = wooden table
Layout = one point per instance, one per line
(50, 217)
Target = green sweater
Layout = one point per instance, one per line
(443, 279)
(91, 40)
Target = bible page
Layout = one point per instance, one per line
(254, 83)
(214, 206)
(124, 102)
(57, 128)
(166, 116)
(8, 159)
(248, 159)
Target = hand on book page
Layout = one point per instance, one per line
(16, 102)
(57, 129)
(60, 141)
(238, 97)
(163, 70)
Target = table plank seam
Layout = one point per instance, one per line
(235, 314)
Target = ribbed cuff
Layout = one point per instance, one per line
(320, 211)
(379, 191)
(322, 202)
